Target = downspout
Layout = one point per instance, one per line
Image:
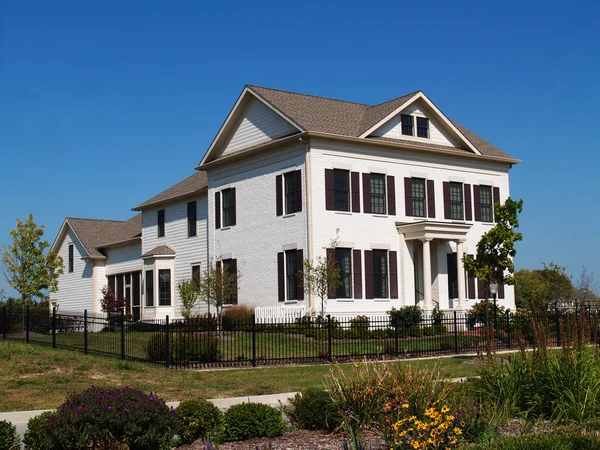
(307, 177)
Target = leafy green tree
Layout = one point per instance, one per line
(188, 291)
(586, 288)
(542, 288)
(496, 248)
(26, 267)
(218, 286)
(559, 285)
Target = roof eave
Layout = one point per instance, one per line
(122, 243)
(152, 205)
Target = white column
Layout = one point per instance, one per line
(428, 306)
(461, 275)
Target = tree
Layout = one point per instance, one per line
(26, 268)
(109, 303)
(496, 248)
(218, 286)
(559, 286)
(542, 288)
(586, 288)
(188, 291)
(322, 275)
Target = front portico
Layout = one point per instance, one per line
(427, 231)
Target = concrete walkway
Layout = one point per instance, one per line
(20, 418)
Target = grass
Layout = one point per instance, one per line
(35, 376)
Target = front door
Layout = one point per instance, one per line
(452, 279)
(136, 297)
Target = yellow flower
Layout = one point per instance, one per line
(450, 418)
(457, 431)
(405, 405)
(415, 443)
(445, 409)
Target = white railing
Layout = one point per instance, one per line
(278, 314)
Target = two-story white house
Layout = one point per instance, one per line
(406, 190)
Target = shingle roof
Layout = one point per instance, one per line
(95, 234)
(161, 250)
(325, 115)
(192, 184)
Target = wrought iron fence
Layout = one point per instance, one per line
(204, 342)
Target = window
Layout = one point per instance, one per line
(341, 186)
(290, 192)
(196, 275)
(377, 193)
(161, 223)
(422, 127)
(456, 201)
(164, 287)
(291, 273)
(344, 261)
(191, 219)
(71, 258)
(408, 123)
(418, 197)
(230, 266)
(380, 273)
(487, 207)
(228, 207)
(149, 287)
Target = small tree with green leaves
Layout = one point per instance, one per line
(188, 291)
(27, 267)
(496, 248)
(218, 286)
(322, 276)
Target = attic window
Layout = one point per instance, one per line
(408, 123)
(422, 127)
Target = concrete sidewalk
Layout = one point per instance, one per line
(20, 418)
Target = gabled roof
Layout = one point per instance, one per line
(95, 234)
(194, 184)
(312, 114)
(161, 250)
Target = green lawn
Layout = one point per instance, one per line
(34, 376)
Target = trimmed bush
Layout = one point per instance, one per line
(183, 348)
(406, 317)
(312, 410)
(359, 327)
(249, 420)
(113, 419)
(9, 439)
(236, 316)
(197, 419)
(38, 435)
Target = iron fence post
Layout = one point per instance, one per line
(27, 324)
(4, 323)
(122, 334)
(455, 333)
(396, 338)
(329, 343)
(54, 326)
(167, 352)
(253, 340)
(85, 332)
(508, 337)
(557, 321)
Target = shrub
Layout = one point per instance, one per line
(483, 312)
(197, 419)
(9, 439)
(113, 418)
(249, 420)
(236, 316)
(568, 438)
(359, 327)
(183, 348)
(38, 435)
(406, 317)
(312, 410)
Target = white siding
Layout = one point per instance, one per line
(438, 133)
(189, 250)
(75, 289)
(259, 124)
(259, 234)
(123, 259)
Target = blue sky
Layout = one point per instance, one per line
(105, 104)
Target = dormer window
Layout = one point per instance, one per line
(422, 127)
(408, 123)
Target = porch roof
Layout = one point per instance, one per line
(427, 230)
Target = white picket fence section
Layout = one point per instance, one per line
(278, 314)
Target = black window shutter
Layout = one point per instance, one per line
(354, 180)
(281, 276)
(331, 257)
(233, 207)
(366, 179)
(477, 202)
(298, 180)
(496, 194)
(500, 290)
(329, 190)
(468, 206)
(356, 262)
(408, 198)
(430, 199)
(393, 274)
(369, 282)
(391, 195)
(447, 204)
(233, 268)
(300, 266)
(279, 194)
(217, 210)
(481, 290)
(471, 286)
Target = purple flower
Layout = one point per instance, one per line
(80, 408)
(126, 410)
(109, 408)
